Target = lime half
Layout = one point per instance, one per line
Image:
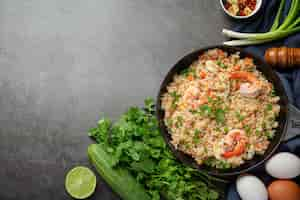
(80, 182)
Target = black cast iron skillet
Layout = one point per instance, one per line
(289, 116)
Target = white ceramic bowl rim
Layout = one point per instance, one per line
(257, 7)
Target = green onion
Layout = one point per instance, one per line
(247, 129)
(269, 107)
(277, 18)
(221, 64)
(294, 11)
(179, 122)
(289, 26)
(220, 115)
(239, 116)
(226, 129)
(175, 97)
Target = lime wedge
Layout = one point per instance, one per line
(80, 182)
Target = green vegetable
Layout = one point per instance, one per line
(220, 115)
(273, 93)
(179, 121)
(258, 133)
(213, 162)
(175, 97)
(289, 26)
(121, 181)
(196, 137)
(221, 64)
(269, 107)
(205, 110)
(269, 135)
(277, 18)
(247, 129)
(189, 71)
(135, 145)
(239, 116)
(226, 129)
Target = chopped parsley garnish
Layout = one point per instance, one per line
(257, 133)
(169, 122)
(196, 137)
(205, 109)
(226, 129)
(175, 97)
(220, 115)
(221, 64)
(269, 107)
(179, 121)
(189, 71)
(273, 93)
(247, 129)
(269, 135)
(220, 164)
(239, 116)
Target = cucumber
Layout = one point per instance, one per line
(120, 180)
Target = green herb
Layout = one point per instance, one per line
(187, 146)
(269, 135)
(186, 72)
(220, 115)
(205, 110)
(175, 97)
(169, 122)
(134, 144)
(247, 129)
(179, 121)
(196, 137)
(258, 133)
(213, 162)
(221, 64)
(264, 125)
(196, 132)
(239, 116)
(273, 93)
(269, 107)
(226, 129)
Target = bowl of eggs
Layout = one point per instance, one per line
(241, 9)
(283, 168)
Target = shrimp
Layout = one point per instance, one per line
(235, 143)
(252, 88)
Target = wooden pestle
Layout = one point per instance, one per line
(283, 57)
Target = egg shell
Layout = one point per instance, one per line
(283, 166)
(284, 190)
(251, 188)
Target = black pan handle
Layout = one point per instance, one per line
(293, 128)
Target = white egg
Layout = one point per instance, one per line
(284, 166)
(251, 188)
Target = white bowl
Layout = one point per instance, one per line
(257, 7)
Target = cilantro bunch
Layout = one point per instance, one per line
(135, 143)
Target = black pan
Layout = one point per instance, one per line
(289, 116)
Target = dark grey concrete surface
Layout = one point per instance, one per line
(65, 63)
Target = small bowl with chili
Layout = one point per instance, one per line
(241, 9)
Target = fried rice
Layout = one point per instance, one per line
(221, 110)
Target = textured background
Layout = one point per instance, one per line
(65, 63)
